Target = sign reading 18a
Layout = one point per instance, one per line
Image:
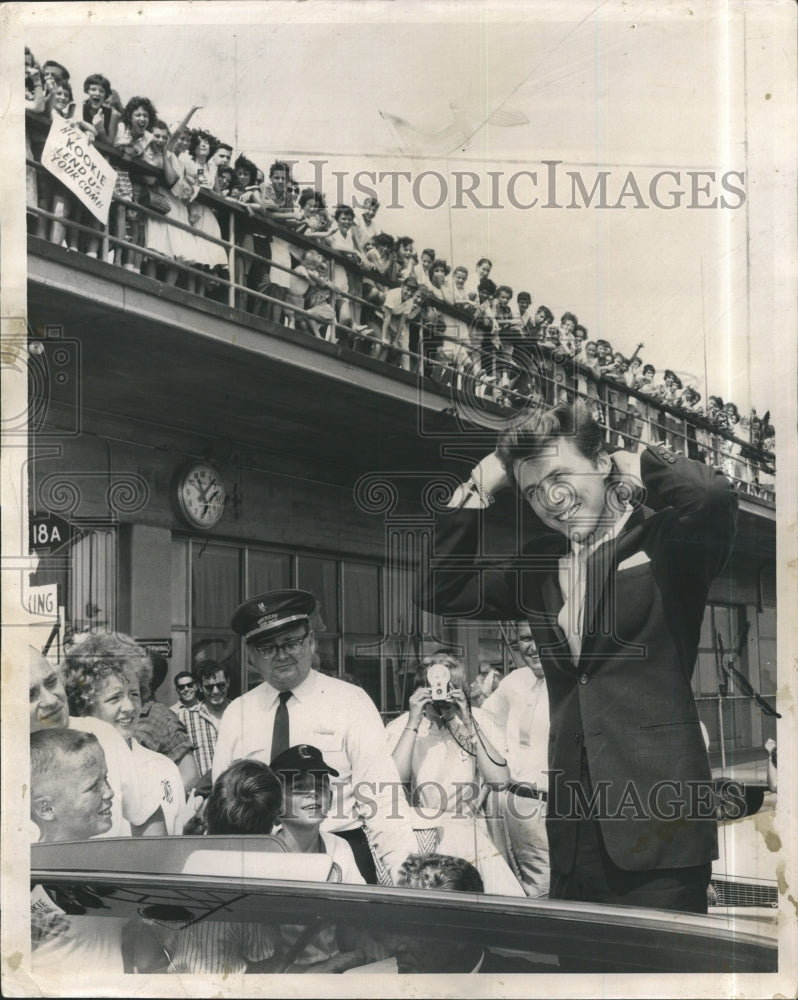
(48, 532)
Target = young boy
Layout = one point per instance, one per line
(306, 779)
(535, 327)
(307, 800)
(428, 258)
(245, 799)
(71, 799)
(70, 795)
(399, 308)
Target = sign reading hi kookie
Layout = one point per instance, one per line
(70, 157)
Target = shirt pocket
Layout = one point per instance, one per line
(332, 750)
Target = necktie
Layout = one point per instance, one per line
(280, 738)
(572, 585)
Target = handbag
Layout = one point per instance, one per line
(155, 201)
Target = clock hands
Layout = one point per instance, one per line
(208, 503)
(203, 490)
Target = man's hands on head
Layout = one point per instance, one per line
(627, 466)
(487, 478)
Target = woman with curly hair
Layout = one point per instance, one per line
(104, 676)
(245, 191)
(201, 171)
(133, 136)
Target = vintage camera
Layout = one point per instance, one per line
(438, 680)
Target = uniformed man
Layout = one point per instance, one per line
(296, 704)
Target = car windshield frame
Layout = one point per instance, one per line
(614, 938)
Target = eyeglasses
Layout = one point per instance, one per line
(214, 686)
(186, 687)
(269, 650)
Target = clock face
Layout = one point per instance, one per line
(201, 495)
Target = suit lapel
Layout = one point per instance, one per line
(600, 571)
(556, 645)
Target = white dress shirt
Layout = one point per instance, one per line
(573, 582)
(342, 721)
(518, 725)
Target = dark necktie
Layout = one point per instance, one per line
(280, 738)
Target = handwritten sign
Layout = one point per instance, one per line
(70, 157)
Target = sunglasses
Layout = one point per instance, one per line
(217, 686)
(186, 687)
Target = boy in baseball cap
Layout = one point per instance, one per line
(307, 799)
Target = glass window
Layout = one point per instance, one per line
(361, 598)
(706, 639)
(403, 617)
(708, 714)
(707, 674)
(179, 661)
(767, 623)
(490, 647)
(327, 652)
(363, 664)
(402, 655)
(767, 667)
(215, 585)
(737, 722)
(320, 577)
(267, 571)
(722, 623)
(92, 603)
(179, 581)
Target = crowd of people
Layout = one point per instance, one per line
(376, 294)
(325, 776)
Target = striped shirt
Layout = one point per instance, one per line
(202, 729)
(215, 946)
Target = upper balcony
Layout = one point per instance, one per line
(285, 323)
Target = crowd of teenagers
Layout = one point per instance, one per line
(376, 293)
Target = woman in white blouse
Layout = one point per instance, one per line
(443, 752)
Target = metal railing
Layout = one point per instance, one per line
(444, 342)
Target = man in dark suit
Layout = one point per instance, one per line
(613, 581)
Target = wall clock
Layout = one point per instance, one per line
(200, 495)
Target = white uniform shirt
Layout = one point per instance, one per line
(172, 793)
(518, 725)
(342, 722)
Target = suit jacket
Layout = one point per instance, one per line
(626, 707)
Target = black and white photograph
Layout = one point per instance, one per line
(396, 545)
